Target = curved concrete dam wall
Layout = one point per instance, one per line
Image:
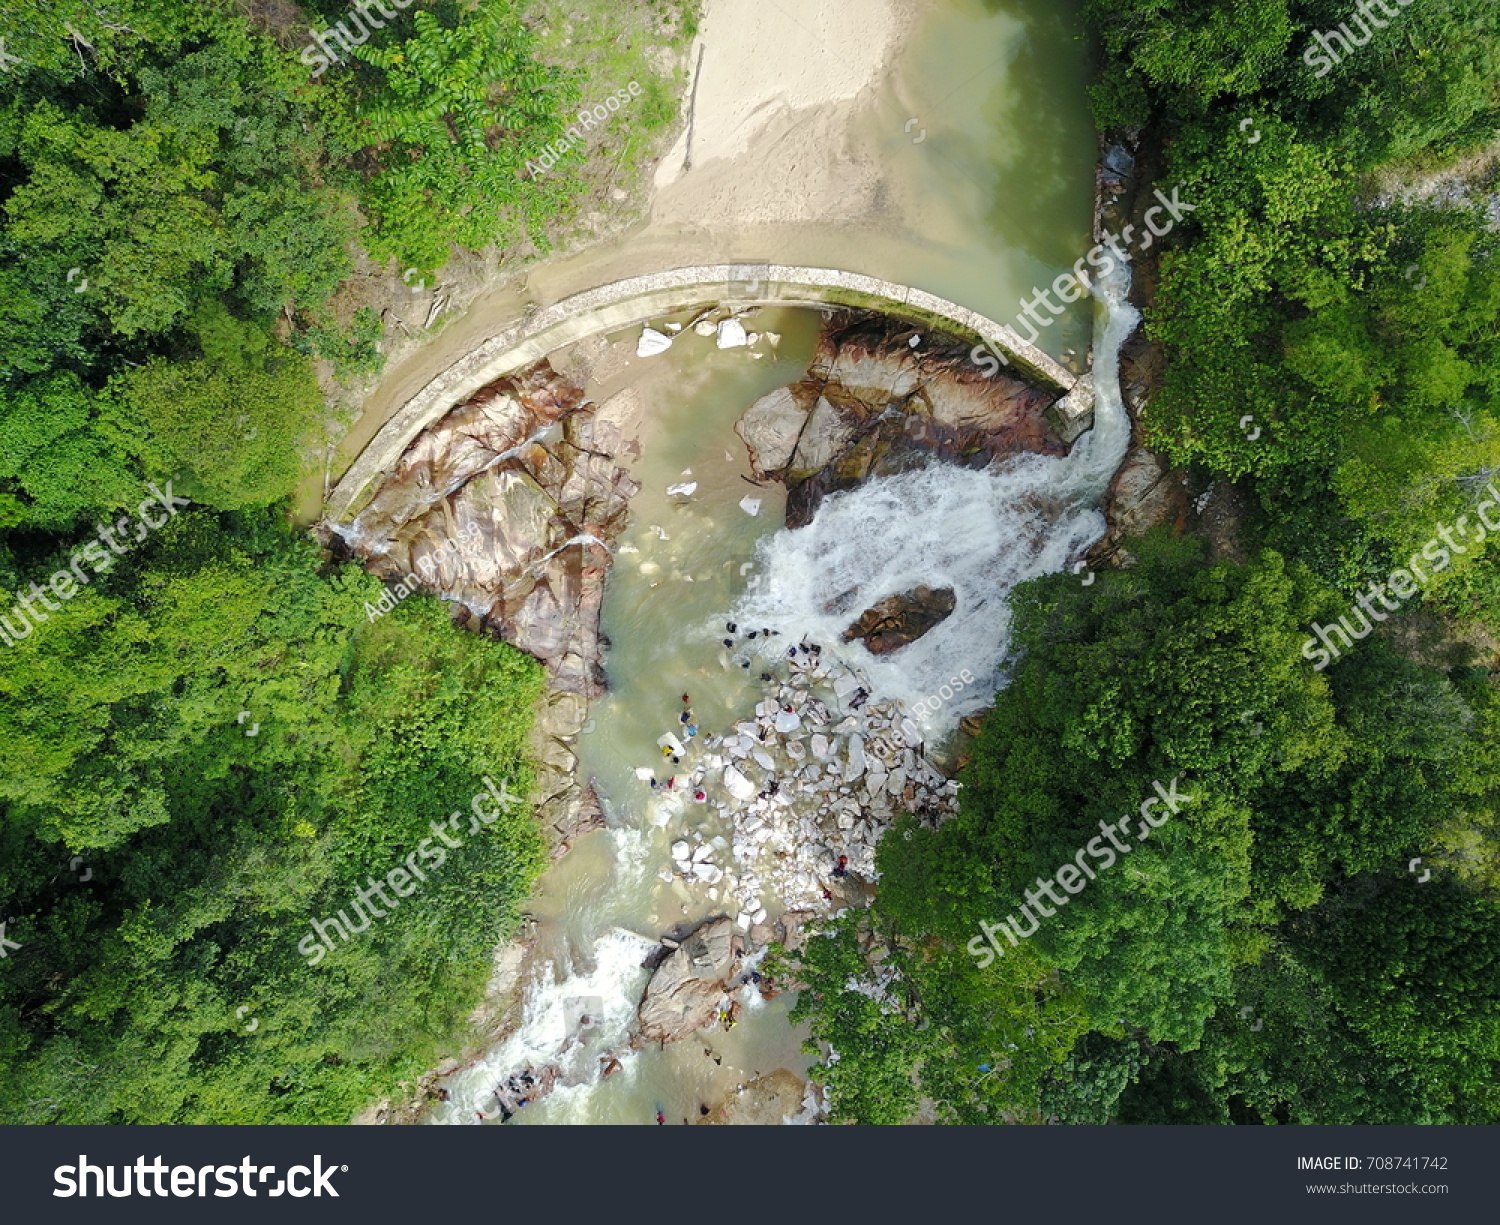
(639, 299)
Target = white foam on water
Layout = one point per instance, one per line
(547, 1035)
(980, 532)
(578, 1105)
(637, 859)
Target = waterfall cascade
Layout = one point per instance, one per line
(979, 532)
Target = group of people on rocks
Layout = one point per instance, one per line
(673, 750)
(515, 1093)
(751, 636)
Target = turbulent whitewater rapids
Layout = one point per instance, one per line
(978, 532)
(669, 861)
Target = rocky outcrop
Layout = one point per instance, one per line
(507, 507)
(1143, 494)
(901, 619)
(566, 809)
(771, 1100)
(685, 992)
(793, 926)
(1141, 365)
(522, 479)
(772, 426)
(810, 784)
(881, 397)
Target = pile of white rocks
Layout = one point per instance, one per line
(696, 863)
(810, 778)
(720, 322)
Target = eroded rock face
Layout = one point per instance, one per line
(767, 1101)
(684, 993)
(794, 925)
(522, 479)
(900, 619)
(1143, 494)
(874, 405)
(773, 424)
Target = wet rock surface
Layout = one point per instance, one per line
(807, 786)
(518, 1090)
(1145, 492)
(901, 619)
(768, 1101)
(523, 475)
(687, 989)
(566, 809)
(882, 397)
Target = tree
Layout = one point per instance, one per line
(210, 851)
(1415, 966)
(452, 116)
(56, 467)
(229, 423)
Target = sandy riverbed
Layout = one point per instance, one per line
(778, 173)
(775, 95)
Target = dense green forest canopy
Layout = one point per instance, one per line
(210, 746)
(208, 743)
(1269, 954)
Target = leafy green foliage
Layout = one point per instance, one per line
(229, 422)
(1180, 983)
(180, 215)
(53, 466)
(904, 1019)
(211, 851)
(454, 111)
(1089, 1084)
(867, 1022)
(1361, 340)
(1140, 679)
(1263, 957)
(1192, 52)
(1414, 966)
(353, 352)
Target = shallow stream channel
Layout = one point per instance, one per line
(802, 744)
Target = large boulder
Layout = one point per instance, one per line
(900, 619)
(507, 507)
(824, 436)
(868, 362)
(772, 425)
(1144, 494)
(767, 1101)
(882, 397)
(737, 784)
(683, 995)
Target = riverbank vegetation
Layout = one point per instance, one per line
(209, 743)
(1314, 937)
